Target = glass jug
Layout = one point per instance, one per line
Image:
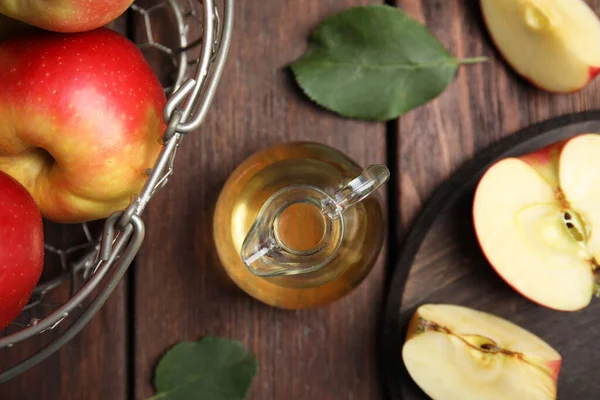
(300, 225)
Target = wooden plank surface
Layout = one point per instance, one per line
(484, 103)
(325, 353)
(92, 366)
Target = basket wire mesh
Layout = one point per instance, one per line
(93, 267)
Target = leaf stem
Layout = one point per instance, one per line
(472, 60)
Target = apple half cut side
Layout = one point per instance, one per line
(551, 43)
(458, 353)
(537, 220)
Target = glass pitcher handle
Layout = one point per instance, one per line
(356, 190)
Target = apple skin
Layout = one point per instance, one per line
(21, 248)
(81, 120)
(594, 72)
(66, 16)
(554, 368)
(545, 161)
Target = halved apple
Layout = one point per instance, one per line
(537, 220)
(458, 353)
(552, 43)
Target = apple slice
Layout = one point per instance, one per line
(458, 353)
(552, 43)
(537, 220)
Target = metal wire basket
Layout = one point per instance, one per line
(90, 270)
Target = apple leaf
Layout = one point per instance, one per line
(210, 369)
(374, 63)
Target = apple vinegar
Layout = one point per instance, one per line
(300, 227)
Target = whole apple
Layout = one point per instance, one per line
(21, 248)
(65, 15)
(81, 120)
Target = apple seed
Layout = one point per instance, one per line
(490, 348)
(575, 226)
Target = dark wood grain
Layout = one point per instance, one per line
(324, 353)
(93, 365)
(441, 262)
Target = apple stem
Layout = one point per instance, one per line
(472, 60)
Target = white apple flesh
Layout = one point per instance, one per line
(537, 220)
(458, 353)
(551, 43)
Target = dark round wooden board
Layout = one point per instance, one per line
(441, 262)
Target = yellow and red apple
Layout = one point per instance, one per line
(21, 248)
(65, 15)
(458, 353)
(551, 43)
(536, 218)
(81, 120)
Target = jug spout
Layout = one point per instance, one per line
(300, 228)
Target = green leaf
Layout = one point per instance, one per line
(374, 63)
(210, 369)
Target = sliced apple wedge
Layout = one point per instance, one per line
(552, 43)
(537, 220)
(458, 353)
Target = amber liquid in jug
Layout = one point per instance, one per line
(278, 234)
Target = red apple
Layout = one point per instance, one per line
(21, 248)
(65, 15)
(81, 120)
(537, 218)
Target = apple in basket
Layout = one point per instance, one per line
(459, 353)
(65, 15)
(537, 219)
(81, 120)
(21, 248)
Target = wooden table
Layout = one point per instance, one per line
(172, 292)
